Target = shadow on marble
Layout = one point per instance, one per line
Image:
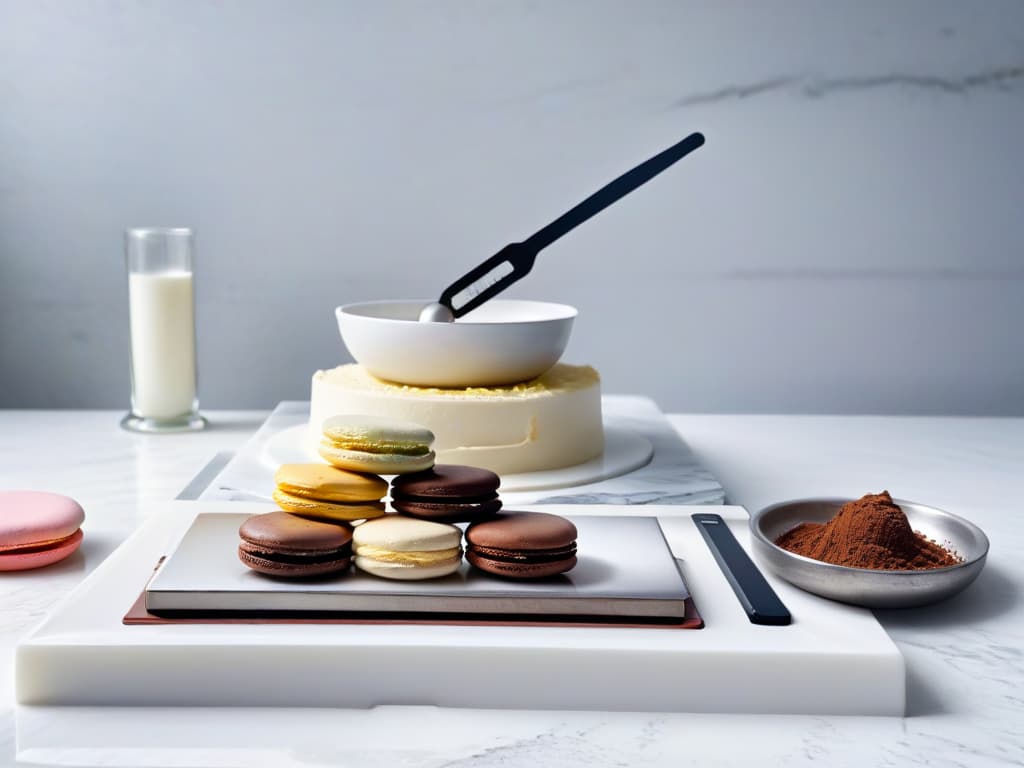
(73, 563)
(97, 546)
(992, 594)
(235, 425)
(922, 697)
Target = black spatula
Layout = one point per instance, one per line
(515, 260)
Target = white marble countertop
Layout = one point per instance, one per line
(964, 657)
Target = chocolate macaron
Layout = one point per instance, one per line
(522, 545)
(448, 493)
(283, 544)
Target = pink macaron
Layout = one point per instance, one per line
(37, 529)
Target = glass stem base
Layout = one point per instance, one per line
(191, 422)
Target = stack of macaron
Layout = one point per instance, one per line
(420, 541)
(313, 535)
(320, 502)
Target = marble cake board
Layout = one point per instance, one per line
(624, 452)
(672, 476)
(834, 659)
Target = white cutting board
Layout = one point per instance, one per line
(833, 659)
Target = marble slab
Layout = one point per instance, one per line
(833, 658)
(673, 476)
(963, 661)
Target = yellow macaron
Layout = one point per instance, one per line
(376, 444)
(326, 483)
(328, 493)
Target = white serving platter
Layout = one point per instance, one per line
(833, 659)
(672, 476)
(624, 451)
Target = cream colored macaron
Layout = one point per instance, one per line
(376, 444)
(396, 547)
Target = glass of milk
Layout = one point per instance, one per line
(161, 310)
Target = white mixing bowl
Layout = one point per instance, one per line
(500, 342)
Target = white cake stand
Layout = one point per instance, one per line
(624, 451)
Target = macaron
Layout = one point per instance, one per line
(447, 492)
(282, 544)
(522, 545)
(397, 547)
(37, 528)
(376, 444)
(328, 493)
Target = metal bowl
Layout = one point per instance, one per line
(863, 586)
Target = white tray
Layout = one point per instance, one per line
(834, 659)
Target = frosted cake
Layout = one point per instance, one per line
(551, 422)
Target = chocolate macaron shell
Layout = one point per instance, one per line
(269, 564)
(522, 531)
(520, 569)
(283, 532)
(449, 512)
(524, 556)
(447, 481)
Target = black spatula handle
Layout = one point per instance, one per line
(515, 260)
(613, 191)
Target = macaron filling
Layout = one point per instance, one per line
(448, 512)
(39, 546)
(402, 449)
(397, 495)
(318, 508)
(409, 558)
(313, 494)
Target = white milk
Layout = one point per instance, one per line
(162, 316)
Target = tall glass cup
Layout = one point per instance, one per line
(161, 313)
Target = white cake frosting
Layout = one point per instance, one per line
(550, 422)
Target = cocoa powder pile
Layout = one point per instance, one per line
(871, 532)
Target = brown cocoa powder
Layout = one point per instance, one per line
(871, 532)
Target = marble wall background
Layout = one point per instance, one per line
(851, 239)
